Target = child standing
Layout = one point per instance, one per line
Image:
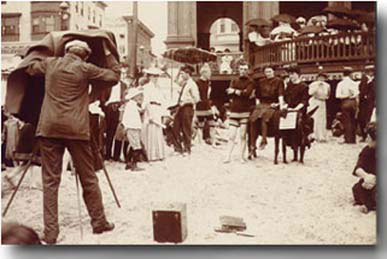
(133, 124)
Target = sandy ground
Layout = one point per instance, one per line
(281, 204)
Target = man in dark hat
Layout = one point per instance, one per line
(188, 98)
(348, 92)
(367, 98)
(64, 123)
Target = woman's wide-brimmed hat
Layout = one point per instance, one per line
(153, 71)
(133, 92)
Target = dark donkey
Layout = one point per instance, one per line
(298, 139)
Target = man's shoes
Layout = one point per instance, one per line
(128, 166)
(104, 228)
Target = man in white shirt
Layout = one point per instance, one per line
(188, 98)
(348, 92)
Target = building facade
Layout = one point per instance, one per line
(189, 22)
(144, 55)
(23, 23)
(123, 29)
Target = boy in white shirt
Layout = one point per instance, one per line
(133, 124)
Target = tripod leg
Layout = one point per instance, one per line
(108, 179)
(78, 198)
(27, 166)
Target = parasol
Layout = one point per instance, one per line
(190, 55)
(25, 93)
(284, 18)
(258, 22)
(339, 11)
(343, 24)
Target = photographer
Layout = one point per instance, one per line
(64, 123)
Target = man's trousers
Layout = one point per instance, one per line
(112, 116)
(348, 108)
(182, 127)
(52, 150)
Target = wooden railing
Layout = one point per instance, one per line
(319, 49)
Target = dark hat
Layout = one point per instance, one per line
(293, 69)
(187, 69)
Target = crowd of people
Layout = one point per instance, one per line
(139, 116)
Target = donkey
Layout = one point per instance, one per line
(299, 138)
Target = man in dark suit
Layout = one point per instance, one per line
(367, 99)
(64, 123)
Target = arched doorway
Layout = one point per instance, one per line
(224, 34)
(209, 12)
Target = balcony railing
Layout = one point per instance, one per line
(330, 48)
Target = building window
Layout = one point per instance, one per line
(82, 5)
(222, 28)
(43, 24)
(88, 13)
(94, 16)
(9, 26)
(100, 20)
(76, 7)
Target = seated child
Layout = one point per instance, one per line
(133, 124)
(364, 191)
(337, 125)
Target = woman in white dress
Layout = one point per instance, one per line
(154, 107)
(320, 91)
